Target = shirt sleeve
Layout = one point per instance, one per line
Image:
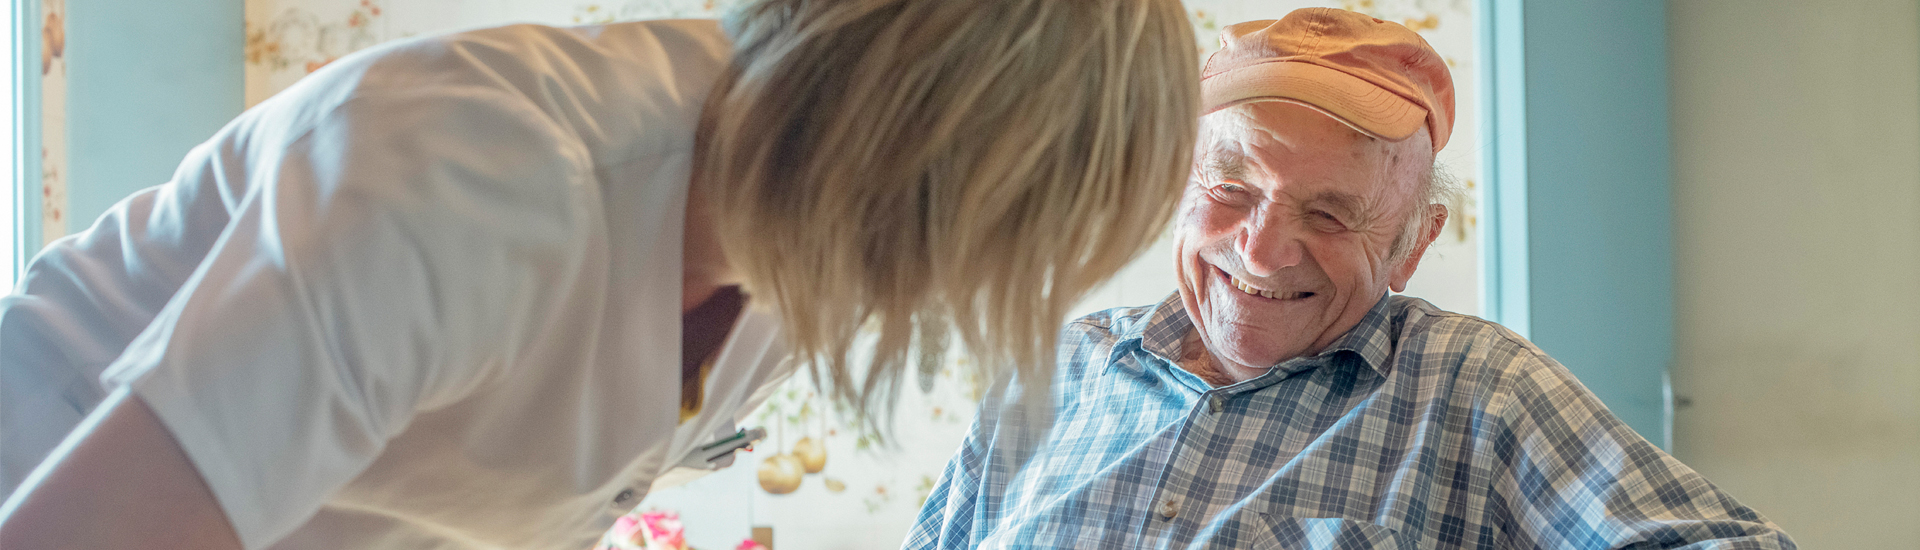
(84, 297)
(388, 260)
(947, 518)
(1578, 477)
(968, 499)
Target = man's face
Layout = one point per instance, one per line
(1286, 230)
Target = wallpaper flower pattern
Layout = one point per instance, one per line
(292, 41)
(53, 120)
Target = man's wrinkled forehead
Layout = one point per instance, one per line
(1235, 142)
(1227, 138)
(1243, 129)
(1224, 162)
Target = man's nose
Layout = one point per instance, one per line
(1267, 245)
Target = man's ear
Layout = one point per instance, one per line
(1436, 220)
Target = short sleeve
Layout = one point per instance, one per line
(388, 260)
(84, 297)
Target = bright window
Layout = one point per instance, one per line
(9, 150)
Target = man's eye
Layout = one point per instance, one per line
(1325, 221)
(1232, 193)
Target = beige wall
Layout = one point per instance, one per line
(1796, 135)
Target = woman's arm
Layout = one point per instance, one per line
(120, 481)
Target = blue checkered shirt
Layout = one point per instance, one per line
(1419, 428)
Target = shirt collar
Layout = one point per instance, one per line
(1371, 340)
(1167, 329)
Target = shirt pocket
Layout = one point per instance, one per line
(1267, 531)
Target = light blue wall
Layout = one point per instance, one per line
(147, 80)
(1582, 156)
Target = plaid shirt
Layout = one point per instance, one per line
(1417, 429)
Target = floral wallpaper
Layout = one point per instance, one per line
(286, 42)
(817, 480)
(286, 39)
(53, 120)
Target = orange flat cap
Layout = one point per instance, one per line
(1376, 76)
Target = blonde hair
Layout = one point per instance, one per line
(922, 167)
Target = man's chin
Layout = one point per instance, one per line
(1255, 359)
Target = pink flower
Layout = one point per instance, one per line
(664, 530)
(749, 544)
(627, 530)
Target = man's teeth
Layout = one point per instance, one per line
(1250, 290)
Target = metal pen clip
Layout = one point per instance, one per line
(719, 454)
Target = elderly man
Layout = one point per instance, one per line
(1283, 399)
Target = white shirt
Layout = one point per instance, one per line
(426, 298)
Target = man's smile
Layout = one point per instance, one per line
(1255, 291)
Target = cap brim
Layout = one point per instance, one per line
(1359, 104)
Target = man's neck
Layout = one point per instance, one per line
(1195, 358)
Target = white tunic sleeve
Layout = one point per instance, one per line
(387, 260)
(82, 299)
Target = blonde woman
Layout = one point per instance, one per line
(481, 290)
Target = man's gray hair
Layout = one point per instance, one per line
(1436, 186)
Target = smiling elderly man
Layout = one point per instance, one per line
(1283, 399)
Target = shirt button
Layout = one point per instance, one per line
(1169, 508)
(625, 498)
(1217, 404)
